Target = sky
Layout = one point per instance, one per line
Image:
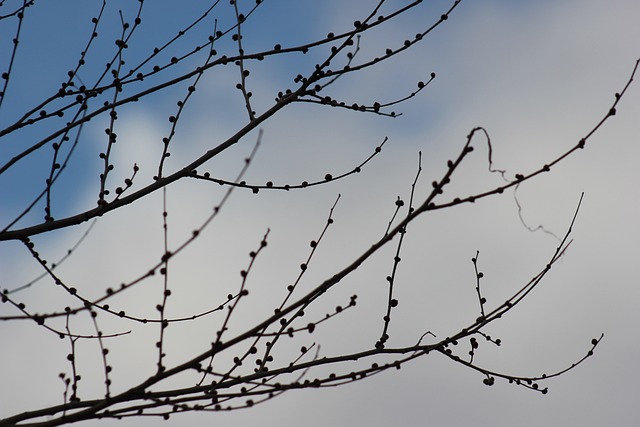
(537, 75)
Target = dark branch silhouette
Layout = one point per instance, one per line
(236, 366)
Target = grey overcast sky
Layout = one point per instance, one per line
(538, 75)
